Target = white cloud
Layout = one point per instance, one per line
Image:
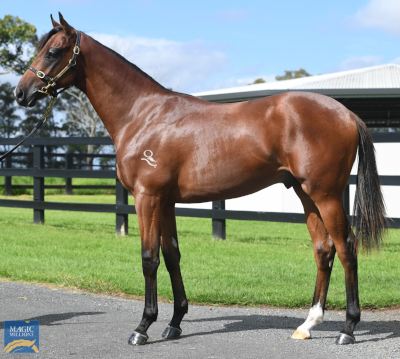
(358, 63)
(396, 61)
(186, 67)
(242, 81)
(380, 14)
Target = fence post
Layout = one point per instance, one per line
(346, 200)
(68, 181)
(7, 179)
(121, 222)
(219, 225)
(38, 183)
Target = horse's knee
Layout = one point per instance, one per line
(150, 263)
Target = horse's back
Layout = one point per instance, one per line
(243, 147)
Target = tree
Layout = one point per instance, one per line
(293, 75)
(8, 107)
(82, 119)
(258, 81)
(16, 44)
(49, 129)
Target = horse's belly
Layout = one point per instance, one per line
(225, 183)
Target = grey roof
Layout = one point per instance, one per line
(376, 81)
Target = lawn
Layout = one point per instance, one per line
(19, 180)
(260, 263)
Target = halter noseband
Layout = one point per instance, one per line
(51, 82)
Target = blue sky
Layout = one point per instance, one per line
(198, 46)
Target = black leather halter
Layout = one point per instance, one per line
(51, 82)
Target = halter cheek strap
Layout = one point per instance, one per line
(51, 82)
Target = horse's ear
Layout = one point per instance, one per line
(54, 22)
(67, 28)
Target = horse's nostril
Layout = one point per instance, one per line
(19, 94)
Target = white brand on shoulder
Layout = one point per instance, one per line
(149, 158)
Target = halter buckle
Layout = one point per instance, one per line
(43, 90)
(40, 74)
(77, 50)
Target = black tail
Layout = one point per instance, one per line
(369, 217)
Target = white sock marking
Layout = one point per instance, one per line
(315, 316)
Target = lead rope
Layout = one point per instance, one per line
(40, 123)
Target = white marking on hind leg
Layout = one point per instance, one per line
(315, 316)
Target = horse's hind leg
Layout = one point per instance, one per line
(170, 250)
(324, 253)
(336, 223)
(149, 211)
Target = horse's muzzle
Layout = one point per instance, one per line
(25, 98)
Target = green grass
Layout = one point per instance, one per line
(17, 180)
(260, 263)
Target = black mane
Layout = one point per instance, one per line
(43, 40)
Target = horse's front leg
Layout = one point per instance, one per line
(149, 211)
(172, 256)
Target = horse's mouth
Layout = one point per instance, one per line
(33, 100)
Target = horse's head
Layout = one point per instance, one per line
(53, 68)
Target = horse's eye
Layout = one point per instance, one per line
(53, 53)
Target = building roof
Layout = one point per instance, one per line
(375, 81)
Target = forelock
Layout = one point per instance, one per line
(43, 40)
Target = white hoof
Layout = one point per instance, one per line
(298, 334)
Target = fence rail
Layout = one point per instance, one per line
(218, 213)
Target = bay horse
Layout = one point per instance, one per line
(175, 148)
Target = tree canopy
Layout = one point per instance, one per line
(16, 44)
(258, 81)
(293, 75)
(8, 108)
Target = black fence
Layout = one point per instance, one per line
(217, 213)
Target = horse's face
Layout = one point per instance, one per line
(56, 49)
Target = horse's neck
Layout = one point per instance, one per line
(116, 89)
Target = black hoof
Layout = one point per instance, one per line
(344, 339)
(171, 333)
(138, 339)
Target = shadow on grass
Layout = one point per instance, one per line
(54, 319)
